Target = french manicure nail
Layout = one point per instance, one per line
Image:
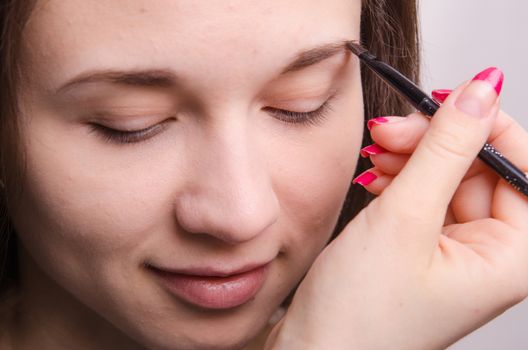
(376, 121)
(372, 150)
(493, 76)
(366, 178)
(477, 99)
(440, 95)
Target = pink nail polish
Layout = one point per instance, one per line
(493, 76)
(372, 150)
(365, 178)
(376, 121)
(440, 95)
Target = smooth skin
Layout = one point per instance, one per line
(441, 251)
(228, 183)
(223, 183)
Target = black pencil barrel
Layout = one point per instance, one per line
(425, 104)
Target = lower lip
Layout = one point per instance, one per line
(215, 292)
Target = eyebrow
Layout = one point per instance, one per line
(166, 78)
(315, 55)
(149, 77)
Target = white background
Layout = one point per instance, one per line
(461, 38)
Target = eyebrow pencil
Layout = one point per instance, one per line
(425, 104)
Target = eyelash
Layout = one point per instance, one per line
(110, 135)
(314, 117)
(123, 137)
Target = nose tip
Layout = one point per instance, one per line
(233, 217)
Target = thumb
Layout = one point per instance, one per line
(457, 132)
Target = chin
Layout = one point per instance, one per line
(224, 330)
(230, 341)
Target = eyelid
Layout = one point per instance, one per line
(129, 125)
(120, 136)
(299, 104)
(134, 121)
(312, 117)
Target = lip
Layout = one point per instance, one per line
(210, 288)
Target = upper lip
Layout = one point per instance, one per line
(211, 271)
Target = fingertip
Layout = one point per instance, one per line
(493, 76)
(481, 95)
(365, 178)
(440, 95)
(376, 121)
(371, 150)
(381, 182)
(403, 135)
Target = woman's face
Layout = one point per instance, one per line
(223, 180)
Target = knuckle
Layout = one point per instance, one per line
(409, 137)
(406, 141)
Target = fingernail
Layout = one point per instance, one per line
(376, 121)
(493, 76)
(480, 95)
(372, 150)
(365, 178)
(440, 95)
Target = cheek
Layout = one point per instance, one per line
(313, 175)
(79, 207)
(87, 221)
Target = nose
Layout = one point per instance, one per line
(228, 193)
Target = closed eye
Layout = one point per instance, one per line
(314, 117)
(115, 136)
(130, 136)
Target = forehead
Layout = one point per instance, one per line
(194, 35)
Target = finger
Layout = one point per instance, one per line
(450, 217)
(511, 139)
(389, 163)
(371, 150)
(374, 180)
(400, 136)
(506, 134)
(510, 206)
(431, 176)
(475, 186)
(473, 198)
(440, 95)
(386, 169)
(383, 120)
(487, 242)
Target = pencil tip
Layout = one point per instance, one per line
(355, 47)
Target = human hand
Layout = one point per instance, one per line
(442, 250)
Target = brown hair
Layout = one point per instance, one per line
(388, 28)
(13, 16)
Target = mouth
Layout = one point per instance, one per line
(213, 289)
